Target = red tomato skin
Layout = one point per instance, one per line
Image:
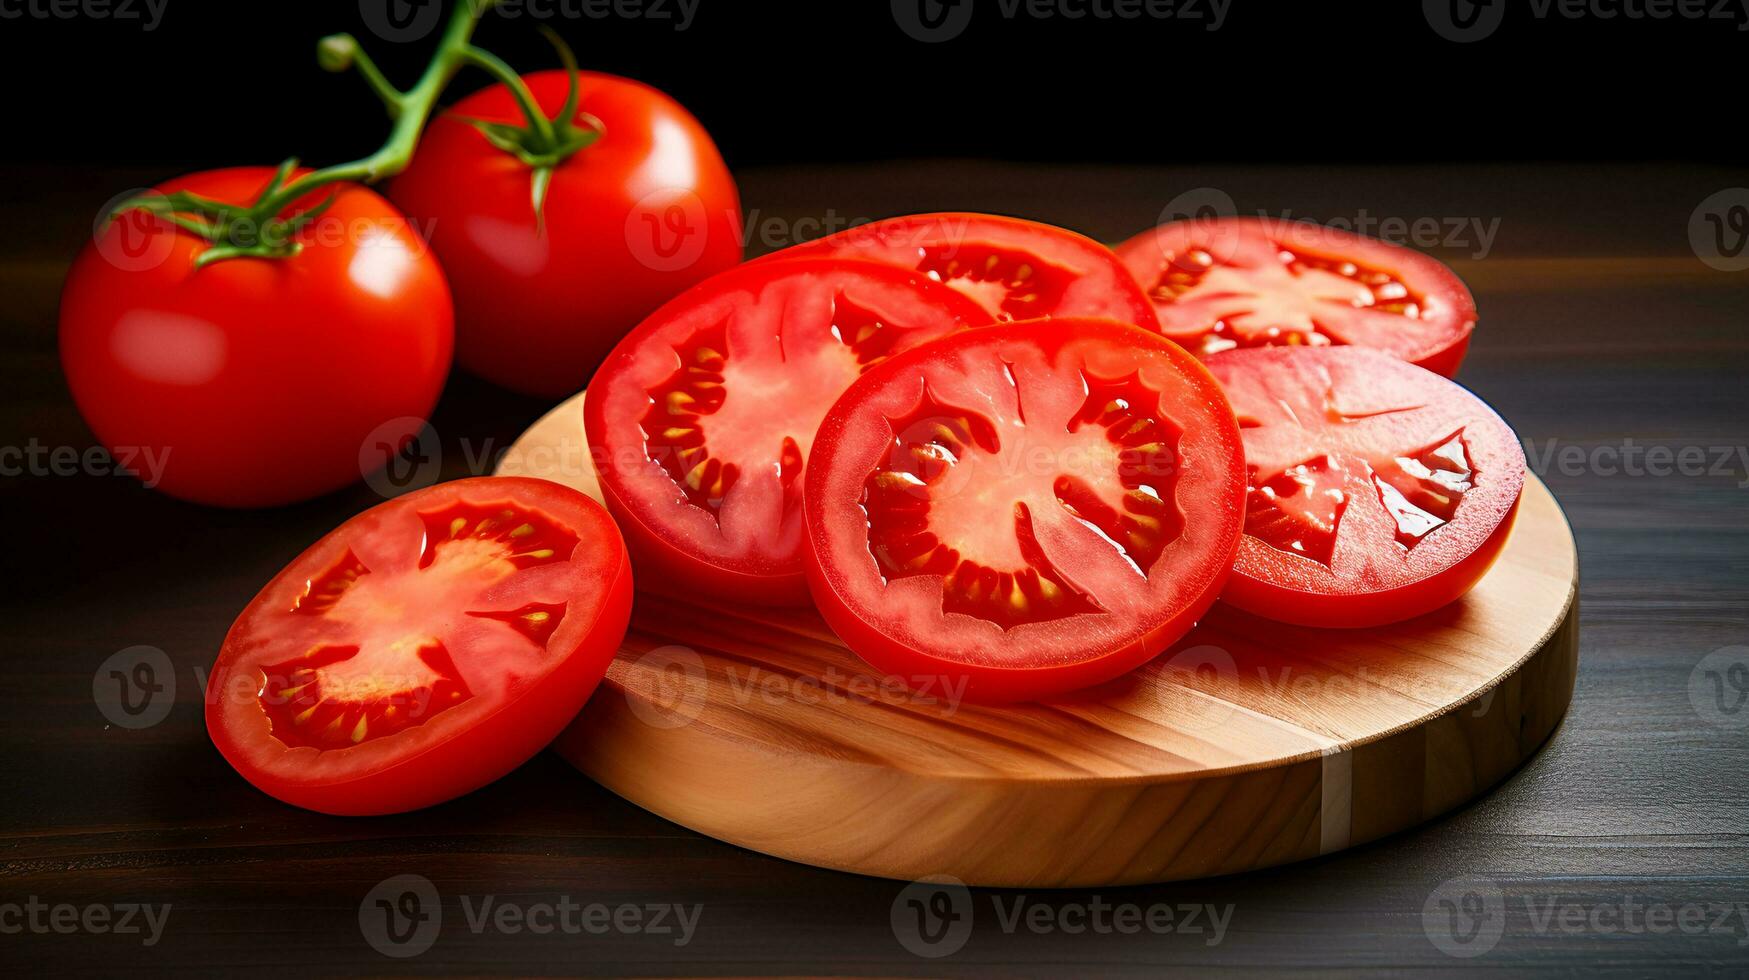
(515, 732)
(1359, 610)
(664, 565)
(1450, 328)
(1001, 684)
(539, 304)
(896, 240)
(1258, 584)
(260, 378)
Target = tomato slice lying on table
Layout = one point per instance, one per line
(1378, 490)
(700, 420)
(424, 648)
(1016, 269)
(1027, 509)
(1225, 283)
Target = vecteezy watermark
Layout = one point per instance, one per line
(401, 455)
(37, 917)
(402, 917)
(933, 917)
(1718, 230)
(144, 463)
(148, 14)
(1634, 459)
(1467, 917)
(1464, 21)
(933, 21)
(135, 687)
(1471, 234)
(668, 686)
(136, 239)
(1464, 917)
(404, 21)
(1718, 687)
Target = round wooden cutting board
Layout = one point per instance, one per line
(1247, 744)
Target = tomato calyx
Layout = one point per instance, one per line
(546, 141)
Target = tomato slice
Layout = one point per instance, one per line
(1378, 491)
(1224, 283)
(1025, 509)
(1015, 269)
(423, 648)
(701, 418)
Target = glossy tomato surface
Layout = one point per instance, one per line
(256, 381)
(645, 211)
(424, 648)
(1225, 283)
(1378, 491)
(1016, 269)
(1026, 509)
(700, 421)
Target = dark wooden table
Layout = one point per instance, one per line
(1621, 849)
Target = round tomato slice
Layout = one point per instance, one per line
(1378, 491)
(1015, 269)
(1225, 283)
(424, 648)
(1024, 509)
(700, 420)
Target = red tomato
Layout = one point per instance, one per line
(1378, 491)
(1018, 270)
(424, 648)
(630, 220)
(1028, 509)
(700, 420)
(1224, 283)
(256, 381)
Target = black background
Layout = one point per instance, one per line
(227, 83)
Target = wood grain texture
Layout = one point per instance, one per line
(1248, 744)
(1598, 326)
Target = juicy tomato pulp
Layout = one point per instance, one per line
(1225, 283)
(633, 218)
(256, 381)
(1027, 509)
(701, 419)
(1377, 491)
(423, 648)
(1015, 269)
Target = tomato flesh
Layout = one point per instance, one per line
(703, 417)
(1015, 269)
(423, 648)
(1028, 508)
(1225, 284)
(1377, 491)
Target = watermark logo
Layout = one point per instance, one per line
(37, 917)
(1718, 230)
(667, 229)
(401, 455)
(1464, 917)
(401, 21)
(401, 916)
(932, 917)
(1718, 687)
(135, 687)
(1193, 682)
(932, 21)
(1464, 21)
(675, 694)
(133, 240)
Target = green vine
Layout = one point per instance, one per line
(257, 230)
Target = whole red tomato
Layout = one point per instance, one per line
(251, 382)
(630, 220)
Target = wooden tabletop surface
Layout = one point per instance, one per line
(1623, 848)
